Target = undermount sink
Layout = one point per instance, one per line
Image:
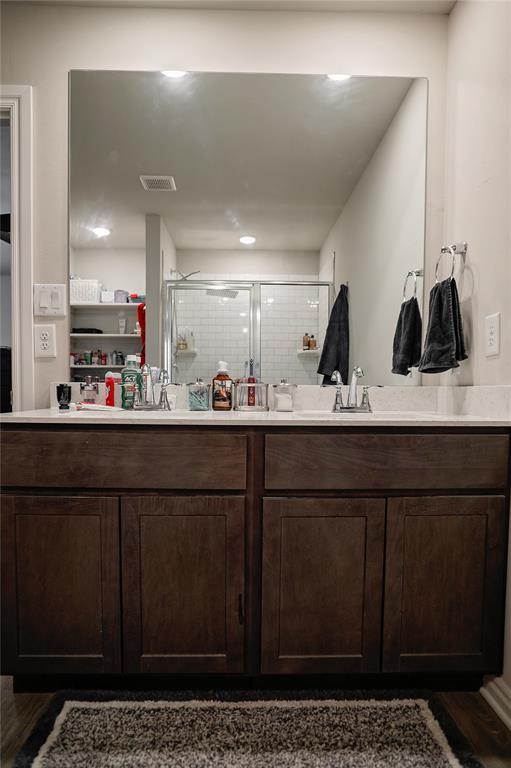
(374, 414)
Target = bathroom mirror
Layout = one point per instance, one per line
(237, 204)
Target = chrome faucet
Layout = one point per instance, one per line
(352, 404)
(146, 400)
(338, 404)
(352, 394)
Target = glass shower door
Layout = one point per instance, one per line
(208, 322)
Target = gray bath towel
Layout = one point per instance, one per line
(336, 349)
(408, 338)
(444, 346)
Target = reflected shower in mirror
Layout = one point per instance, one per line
(236, 205)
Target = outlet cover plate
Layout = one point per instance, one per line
(492, 335)
(45, 344)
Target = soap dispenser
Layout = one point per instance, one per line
(222, 388)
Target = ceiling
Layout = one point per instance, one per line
(276, 156)
(383, 6)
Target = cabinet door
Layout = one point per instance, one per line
(183, 583)
(322, 585)
(444, 584)
(60, 584)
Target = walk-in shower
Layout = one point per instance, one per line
(210, 320)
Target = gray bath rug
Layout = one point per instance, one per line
(315, 733)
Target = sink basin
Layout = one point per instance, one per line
(384, 415)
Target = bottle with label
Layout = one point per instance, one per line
(131, 381)
(312, 342)
(305, 341)
(251, 399)
(222, 388)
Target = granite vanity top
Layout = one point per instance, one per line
(311, 418)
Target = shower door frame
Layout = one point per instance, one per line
(169, 288)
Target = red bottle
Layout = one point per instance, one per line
(251, 397)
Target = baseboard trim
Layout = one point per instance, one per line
(498, 695)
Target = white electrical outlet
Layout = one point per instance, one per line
(492, 335)
(44, 341)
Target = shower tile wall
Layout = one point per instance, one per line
(221, 329)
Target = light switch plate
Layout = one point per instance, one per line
(45, 344)
(492, 335)
(49, 299)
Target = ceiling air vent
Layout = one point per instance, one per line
(158, 183)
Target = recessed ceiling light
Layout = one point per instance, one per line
(338, 77)
(101, 231)
(175, 73)
(247, 239)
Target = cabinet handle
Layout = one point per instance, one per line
(241, 615)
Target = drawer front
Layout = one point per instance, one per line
(120, 459)
(369, 462)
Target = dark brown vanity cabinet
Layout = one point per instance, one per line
(60, 584)
(322, 585)
(183, 583)
(275, 552)
(444, 584)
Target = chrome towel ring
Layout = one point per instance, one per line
(415, 273)
(455, 249)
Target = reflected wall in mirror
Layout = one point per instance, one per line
(286, 183)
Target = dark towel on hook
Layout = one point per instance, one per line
(444, 346)
(407, 338)
(336, 348)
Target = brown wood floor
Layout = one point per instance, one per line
(489, 737)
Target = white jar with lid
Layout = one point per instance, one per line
(284, 395)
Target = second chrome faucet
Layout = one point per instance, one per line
(352, 404)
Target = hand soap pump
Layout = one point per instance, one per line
(222, 388)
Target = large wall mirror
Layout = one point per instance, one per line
(238, 204)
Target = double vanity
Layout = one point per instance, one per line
(259, 544)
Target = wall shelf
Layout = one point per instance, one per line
(187, 352)
(96, 365)
(310, 352)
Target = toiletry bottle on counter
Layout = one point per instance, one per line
(112, 387)
(305, 341)
(222, 388)
(131, 381)
(251, 399)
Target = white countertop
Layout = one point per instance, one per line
(52, 416)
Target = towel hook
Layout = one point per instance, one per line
(456, 248)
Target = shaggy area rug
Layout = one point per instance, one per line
(269, 733)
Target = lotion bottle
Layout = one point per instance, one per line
(222, 388)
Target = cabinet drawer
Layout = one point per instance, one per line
(368, 462)
(120, 459)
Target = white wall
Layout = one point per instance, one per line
(379, 236)
(122, 268)
(478, 198)
(168, 252)
(40, 44)
(478, 176)
(248, 261)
